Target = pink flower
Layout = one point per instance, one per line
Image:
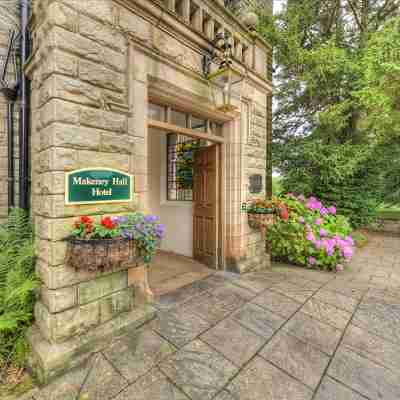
(318, 221)
(322, 232)
(319, 244)
(312, 260)
(301, 220)
(347, 252)
(329, 245)
(301, 198)
(349, 240)
(339, 268)
(332, 210)
(324, 211)
(310, 236)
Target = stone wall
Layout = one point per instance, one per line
(80, 118)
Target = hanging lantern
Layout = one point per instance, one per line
(226, 78)
(229, 81)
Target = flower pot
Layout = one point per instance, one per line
(99, 254)
(260, 221)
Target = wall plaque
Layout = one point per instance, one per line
(98, 185)
(255, 183)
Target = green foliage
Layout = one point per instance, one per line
(312, 236)
(17, 287)
(343, 175)
(337, 87)
(380, 81)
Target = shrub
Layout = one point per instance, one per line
(313, 235)
(17, 287)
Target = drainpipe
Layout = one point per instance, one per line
(24, 113)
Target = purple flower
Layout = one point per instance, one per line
(332, 210)
(339, 268)
(349, 240)
(312, 260)
(119, 220)
(318, 221)
(301, 220)
(160, 231)
(151, 219)
(322, 232)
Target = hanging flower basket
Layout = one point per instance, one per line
(261, 213)
(113, 241)
(99, 254)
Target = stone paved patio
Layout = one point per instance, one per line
(284, 334)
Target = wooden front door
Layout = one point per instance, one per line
(205, 205)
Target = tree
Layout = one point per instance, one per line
(331, 88)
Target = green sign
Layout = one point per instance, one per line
(98, 185)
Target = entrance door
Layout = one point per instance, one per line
(205, 206)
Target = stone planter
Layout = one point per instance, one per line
(99, 254)
(260, 221)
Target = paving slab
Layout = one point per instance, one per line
(152, 386)
(233, 341)
(259, 320)
(326, 313)
(277, 303)
(260, 380)
(372, 347)
(200, 371)
(298, 293)
(336, 299)
(210, 307)
(323, 336)
(66, 387)
(135, 355)
(379, 317)
(177, 297)
(259, 281)
(334, 390)
(179, 326)
(299, 359)
(365, 376)
(103, 381)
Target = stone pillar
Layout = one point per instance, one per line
(80, 101)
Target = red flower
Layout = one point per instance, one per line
(108, 223)
(283, 212)
(86, 220)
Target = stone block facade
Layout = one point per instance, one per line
(94, 68)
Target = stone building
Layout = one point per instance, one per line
(120, 84)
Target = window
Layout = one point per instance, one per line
(181, 149)
(180, 160)
(156, 112)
